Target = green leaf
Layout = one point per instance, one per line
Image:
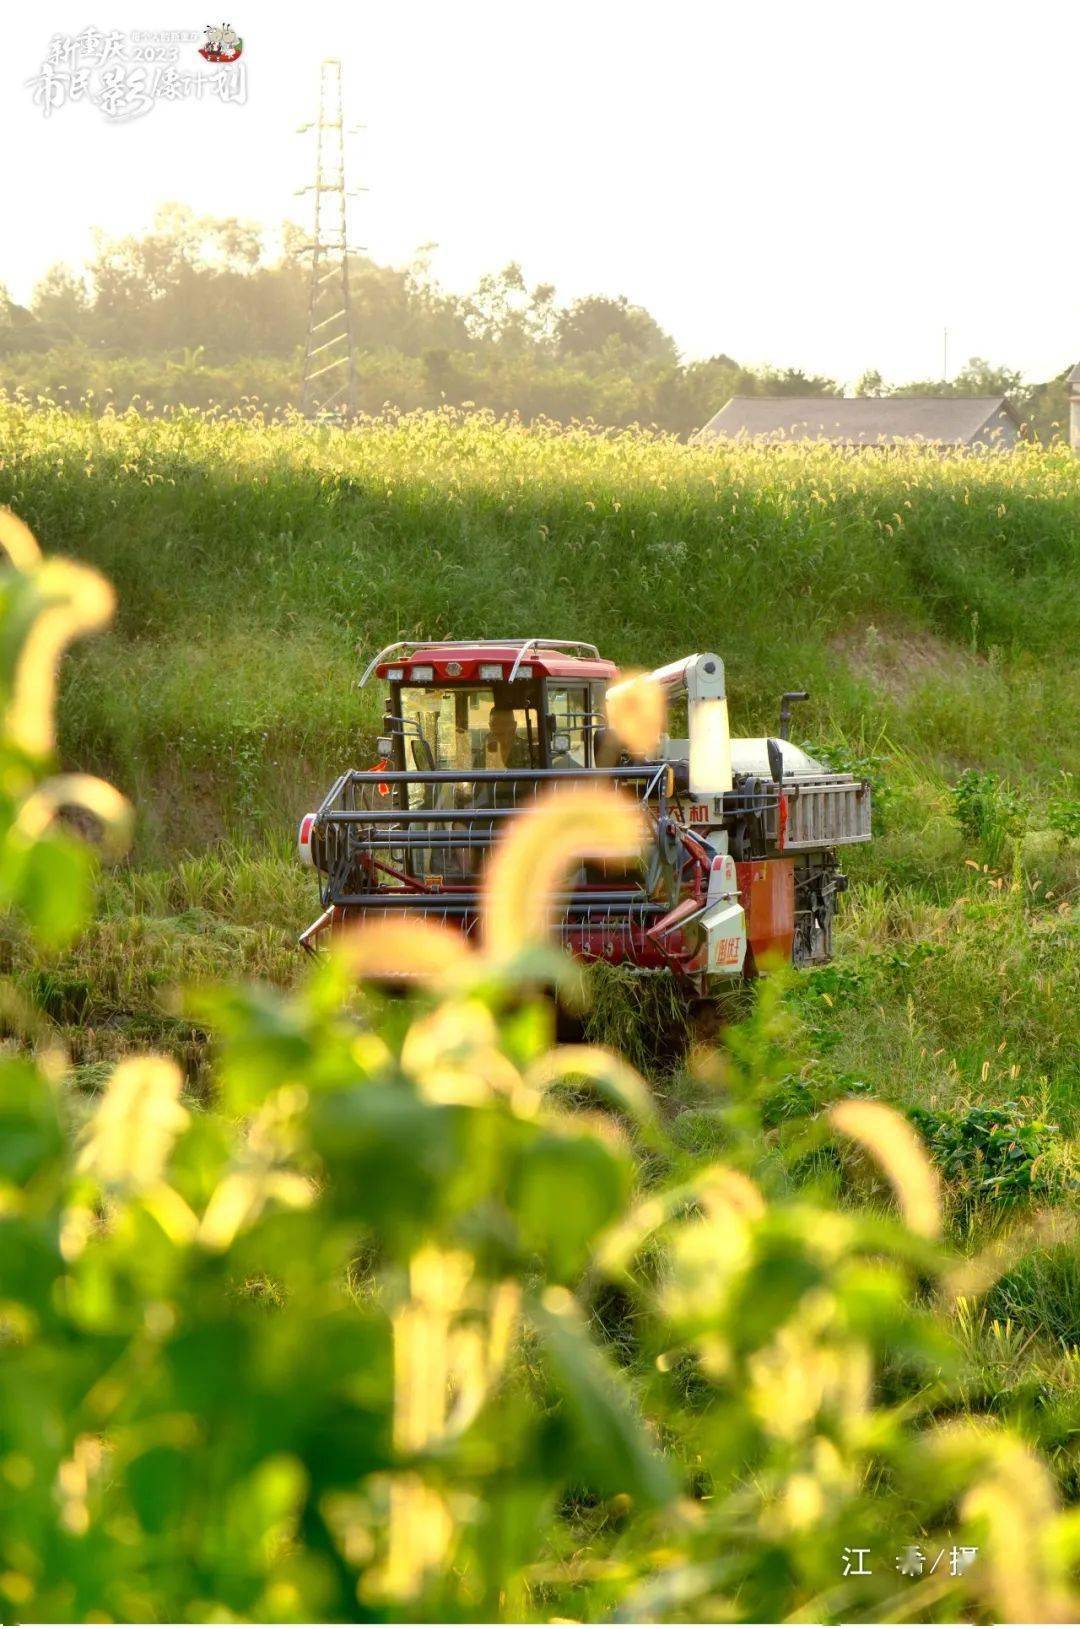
(30, 1132)
(565, 1191)
(399, 1164)
(50, 881)
(158, 1482)
(614, 1453)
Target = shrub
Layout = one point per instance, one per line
(1063, 809)
(988, 811)
(990, 1152)
(866, 763)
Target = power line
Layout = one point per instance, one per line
(329, 385)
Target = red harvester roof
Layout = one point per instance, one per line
(545, 662)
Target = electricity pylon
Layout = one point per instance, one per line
(329, 387)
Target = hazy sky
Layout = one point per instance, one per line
(823, 185)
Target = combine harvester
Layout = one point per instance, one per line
(742, 867)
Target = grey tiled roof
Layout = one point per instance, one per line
(856, 420)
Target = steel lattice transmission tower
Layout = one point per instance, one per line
(329, 388)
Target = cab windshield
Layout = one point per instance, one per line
(466, 728)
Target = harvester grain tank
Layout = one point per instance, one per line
(742, 865)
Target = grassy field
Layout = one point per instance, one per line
(931, 606)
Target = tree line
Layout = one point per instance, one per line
(202, 310)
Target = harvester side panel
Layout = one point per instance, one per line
(828, 811)
(767, 890)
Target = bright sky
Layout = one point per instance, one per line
(825, 185)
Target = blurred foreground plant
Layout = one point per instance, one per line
(336, 1347)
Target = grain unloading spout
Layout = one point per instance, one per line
(700, 678)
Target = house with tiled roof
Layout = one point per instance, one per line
(973, 422)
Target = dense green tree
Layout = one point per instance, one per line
(871, 383)
(794, 382)
(60, 302)
(1047, 407)
(977, 377)
(600, 326)
(19, 328)
(503, 311)
(206, 309)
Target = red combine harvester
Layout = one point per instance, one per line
(743, 861)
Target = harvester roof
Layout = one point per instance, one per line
(462, 659)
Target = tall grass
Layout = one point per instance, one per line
(931, 605)
(257, 564)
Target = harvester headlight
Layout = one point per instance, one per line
(524, 672)
(395, 673)
(491, 670)
(385, 745)
(422, 675)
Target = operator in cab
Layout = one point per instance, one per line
(505, 748)
(505, 743)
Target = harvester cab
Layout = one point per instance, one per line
(742, 865)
